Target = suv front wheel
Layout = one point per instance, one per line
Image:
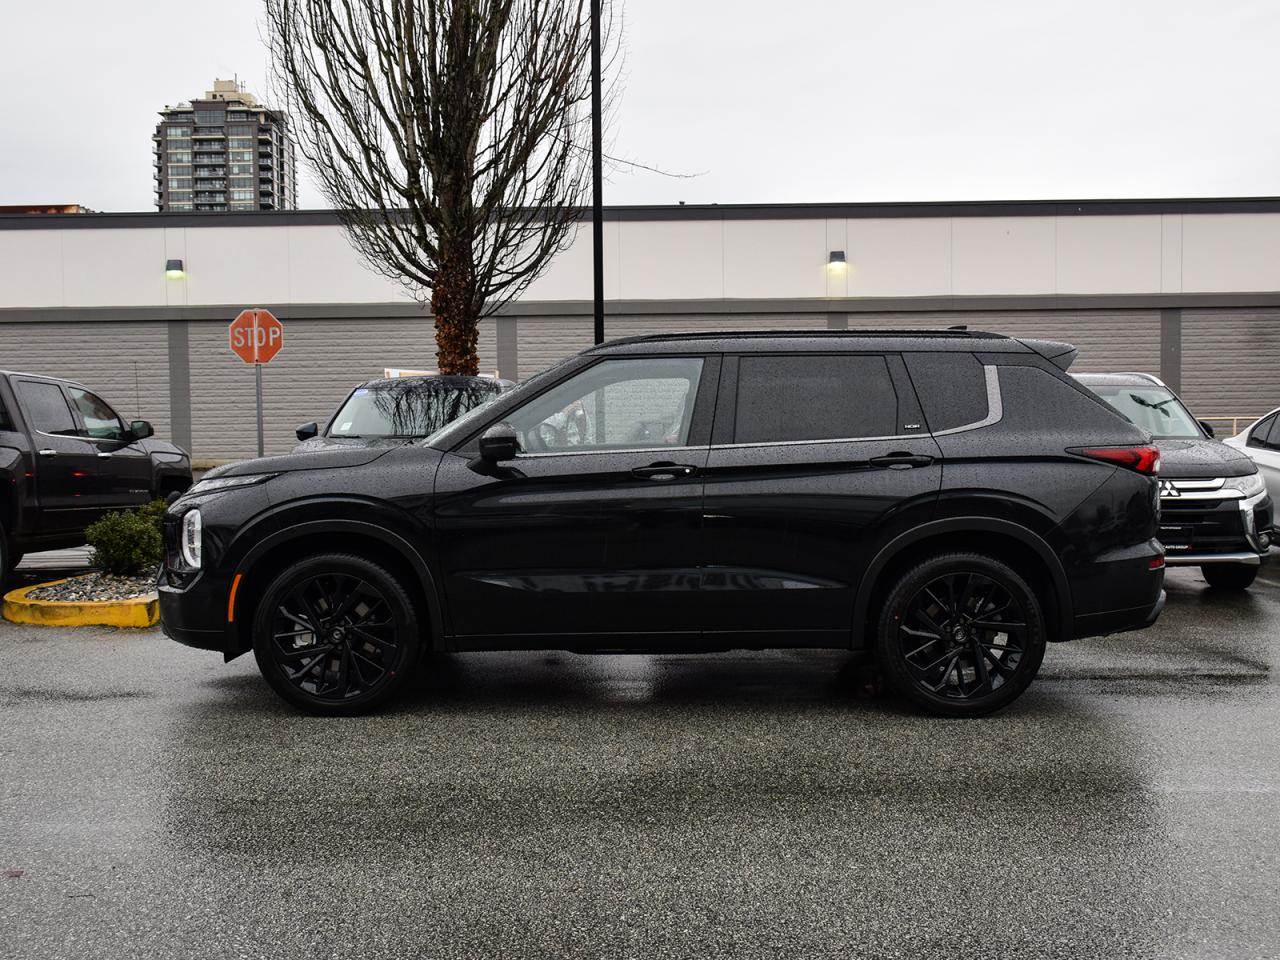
(1229, 576)
(961, 635)
(336, 634)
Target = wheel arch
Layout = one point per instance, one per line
(370, 540)
(1002, 539)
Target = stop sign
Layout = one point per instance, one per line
(256, 336)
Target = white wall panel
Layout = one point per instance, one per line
(31, 268)
(899, 257)
(657, 261)
(123, 267)
(323, 267)
(244, 266)
(1230, 252)
(1002, 255)
(1109, 255)
(774, 258)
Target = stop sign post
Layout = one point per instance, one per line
(256, 336)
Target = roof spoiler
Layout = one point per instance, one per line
(1060, 354)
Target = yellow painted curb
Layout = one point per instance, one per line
(138, 612)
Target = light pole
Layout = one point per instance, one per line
(597, 185)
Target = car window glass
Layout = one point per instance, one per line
(100, 421)
(1153, 408)
(47, 408)
(952, 387)
(805, 397)
(409, 408)
(6, 422)
(1258, 435)
(1273, 437)
(617, 404)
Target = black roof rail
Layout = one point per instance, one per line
(864, 332)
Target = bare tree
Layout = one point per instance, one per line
(453, 137)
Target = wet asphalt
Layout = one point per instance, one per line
(158, 803)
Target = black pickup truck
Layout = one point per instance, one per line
(66, 458)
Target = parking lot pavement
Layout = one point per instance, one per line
(159, 803)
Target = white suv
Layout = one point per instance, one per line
(1261, 442)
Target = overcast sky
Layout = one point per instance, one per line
(803, 100)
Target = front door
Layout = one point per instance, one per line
(66, 464)
(590, 537)
(124, 468)
(812, 456)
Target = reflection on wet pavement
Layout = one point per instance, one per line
(161, 803)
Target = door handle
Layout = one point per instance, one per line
(48, 452)
(664, 471)
(901, 461)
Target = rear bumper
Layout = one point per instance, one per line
(1119, 591)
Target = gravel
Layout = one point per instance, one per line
(98, 586)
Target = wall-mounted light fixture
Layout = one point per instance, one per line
(173, 269)
(836, 263)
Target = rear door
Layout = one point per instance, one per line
(66, 464)
(124, 468)
(1263, 446)
(811, 456)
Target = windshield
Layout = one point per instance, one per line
(1153, 408)
(408, 408)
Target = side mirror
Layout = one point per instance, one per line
(499, 443)
(141, 429)
(307, 430)
(1206, 427)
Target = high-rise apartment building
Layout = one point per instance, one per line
(224, 152)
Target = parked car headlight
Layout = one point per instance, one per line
(1250, 486)
(226, 483)
(192, 538)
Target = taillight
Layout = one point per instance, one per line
(1145, 460)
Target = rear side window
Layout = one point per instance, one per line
(47, 407)
(800, 397)
(952, 388)
(1258, 436)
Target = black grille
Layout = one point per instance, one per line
(1201, 526)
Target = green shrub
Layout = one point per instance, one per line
(154, 511)
(126, 542)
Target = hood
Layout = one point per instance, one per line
(1192, 459)
(328, 459)
(350, 443)
(153, 445)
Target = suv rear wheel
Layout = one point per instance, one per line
(1229, 576)
(336, 634)
(961, 635)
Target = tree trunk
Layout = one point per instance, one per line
(457, 326)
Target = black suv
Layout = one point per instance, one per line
(945, 501)
(1215, 512)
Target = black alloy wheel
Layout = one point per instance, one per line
(961, 635)
(335, 635)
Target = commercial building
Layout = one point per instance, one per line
(1187, 289)
(224, 152)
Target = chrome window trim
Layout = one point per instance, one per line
(995, 406)
(995, 413)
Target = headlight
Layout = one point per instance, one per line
(192, 537)
(1250, 486)
(226, 483)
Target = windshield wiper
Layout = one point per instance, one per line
(1158, 407)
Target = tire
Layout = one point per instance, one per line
(366, 645)
(1229, 576)
(11, 560)
(969, 669)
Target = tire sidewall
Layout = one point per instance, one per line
(409, 640)
(904, 590)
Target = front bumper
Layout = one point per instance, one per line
(1199, 527)
(195, 614)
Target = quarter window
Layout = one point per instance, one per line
(804, 397)
(1265, 434)
(47, 408)
(616, 404)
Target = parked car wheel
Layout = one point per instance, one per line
(961, 635)
(336, 634)
(1229, 576)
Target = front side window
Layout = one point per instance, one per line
(803, 397)
(1265, 435)
(616, 404)
(100, 421)
(47, 408)
(1153, 408)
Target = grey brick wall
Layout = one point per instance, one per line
(127, 363)
(1231, 363)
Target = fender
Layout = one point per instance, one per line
(964, 525)
(396, 542)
